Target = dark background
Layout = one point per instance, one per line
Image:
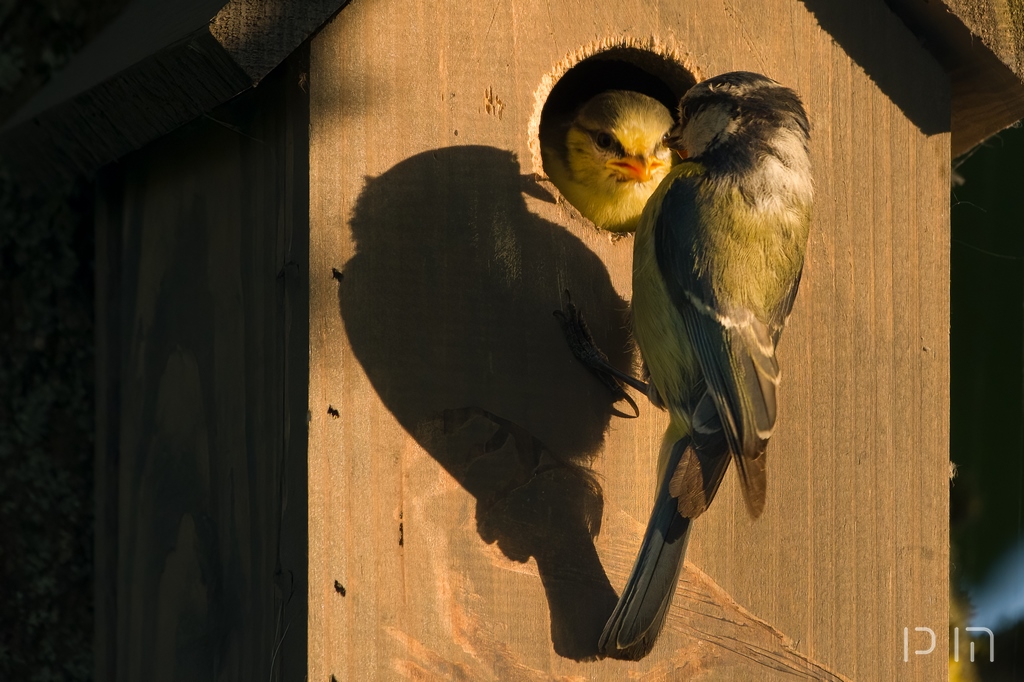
(46, 373)
(987, 359)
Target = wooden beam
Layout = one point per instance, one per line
(109, 221)
(470, 487)
(981, 47)
(202, 370)
(156, 67)
(160, 65)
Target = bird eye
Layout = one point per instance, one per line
(664, 139)
(604, 140)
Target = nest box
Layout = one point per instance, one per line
(339, 433)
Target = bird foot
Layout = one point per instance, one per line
(583, 348)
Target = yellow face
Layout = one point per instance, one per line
(618, 137)
(616, 157)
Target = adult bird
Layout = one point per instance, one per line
(717, 259)
(611, 157)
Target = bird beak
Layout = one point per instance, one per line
(635, 168)
(674, 141)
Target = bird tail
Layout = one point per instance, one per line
(637, 619)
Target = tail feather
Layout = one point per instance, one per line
(637, 619)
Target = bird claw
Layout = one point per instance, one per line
(581, 343)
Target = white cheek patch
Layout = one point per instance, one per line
(789, 147)
(786, 174)
(705, 126)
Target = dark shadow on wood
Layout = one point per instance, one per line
(448, 306)
(205, 351)
(878, 42)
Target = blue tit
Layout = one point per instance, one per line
(612, 157)
(717, 259)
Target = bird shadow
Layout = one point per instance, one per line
(447, 304)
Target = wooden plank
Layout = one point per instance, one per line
(106, 469)
(156, 67)
(469, 487)
(997, 23)
(981, 46)
(259, 34)
(160, 65)
(210, 313)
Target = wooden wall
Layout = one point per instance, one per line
(469, 488)
(202, 249)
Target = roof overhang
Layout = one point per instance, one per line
(980, 46)
(160, 65)
(157, 66)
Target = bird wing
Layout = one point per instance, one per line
(735, 349)
(781, 312)
(634, 624)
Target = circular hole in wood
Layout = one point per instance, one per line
(627, 65)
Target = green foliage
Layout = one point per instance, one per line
(46, 434)
(46, 367)
(987, 378)
(37, 37)
(987, 349)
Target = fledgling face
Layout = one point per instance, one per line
(617, 139)
(614, 157)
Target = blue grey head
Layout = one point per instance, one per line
(731, 122)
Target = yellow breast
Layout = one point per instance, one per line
(658, 327)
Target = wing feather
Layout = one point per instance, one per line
(735, 349)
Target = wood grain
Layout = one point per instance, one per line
(160, 65)
(202, 366)
(109, 220)
(474, 493)
(981, 46)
